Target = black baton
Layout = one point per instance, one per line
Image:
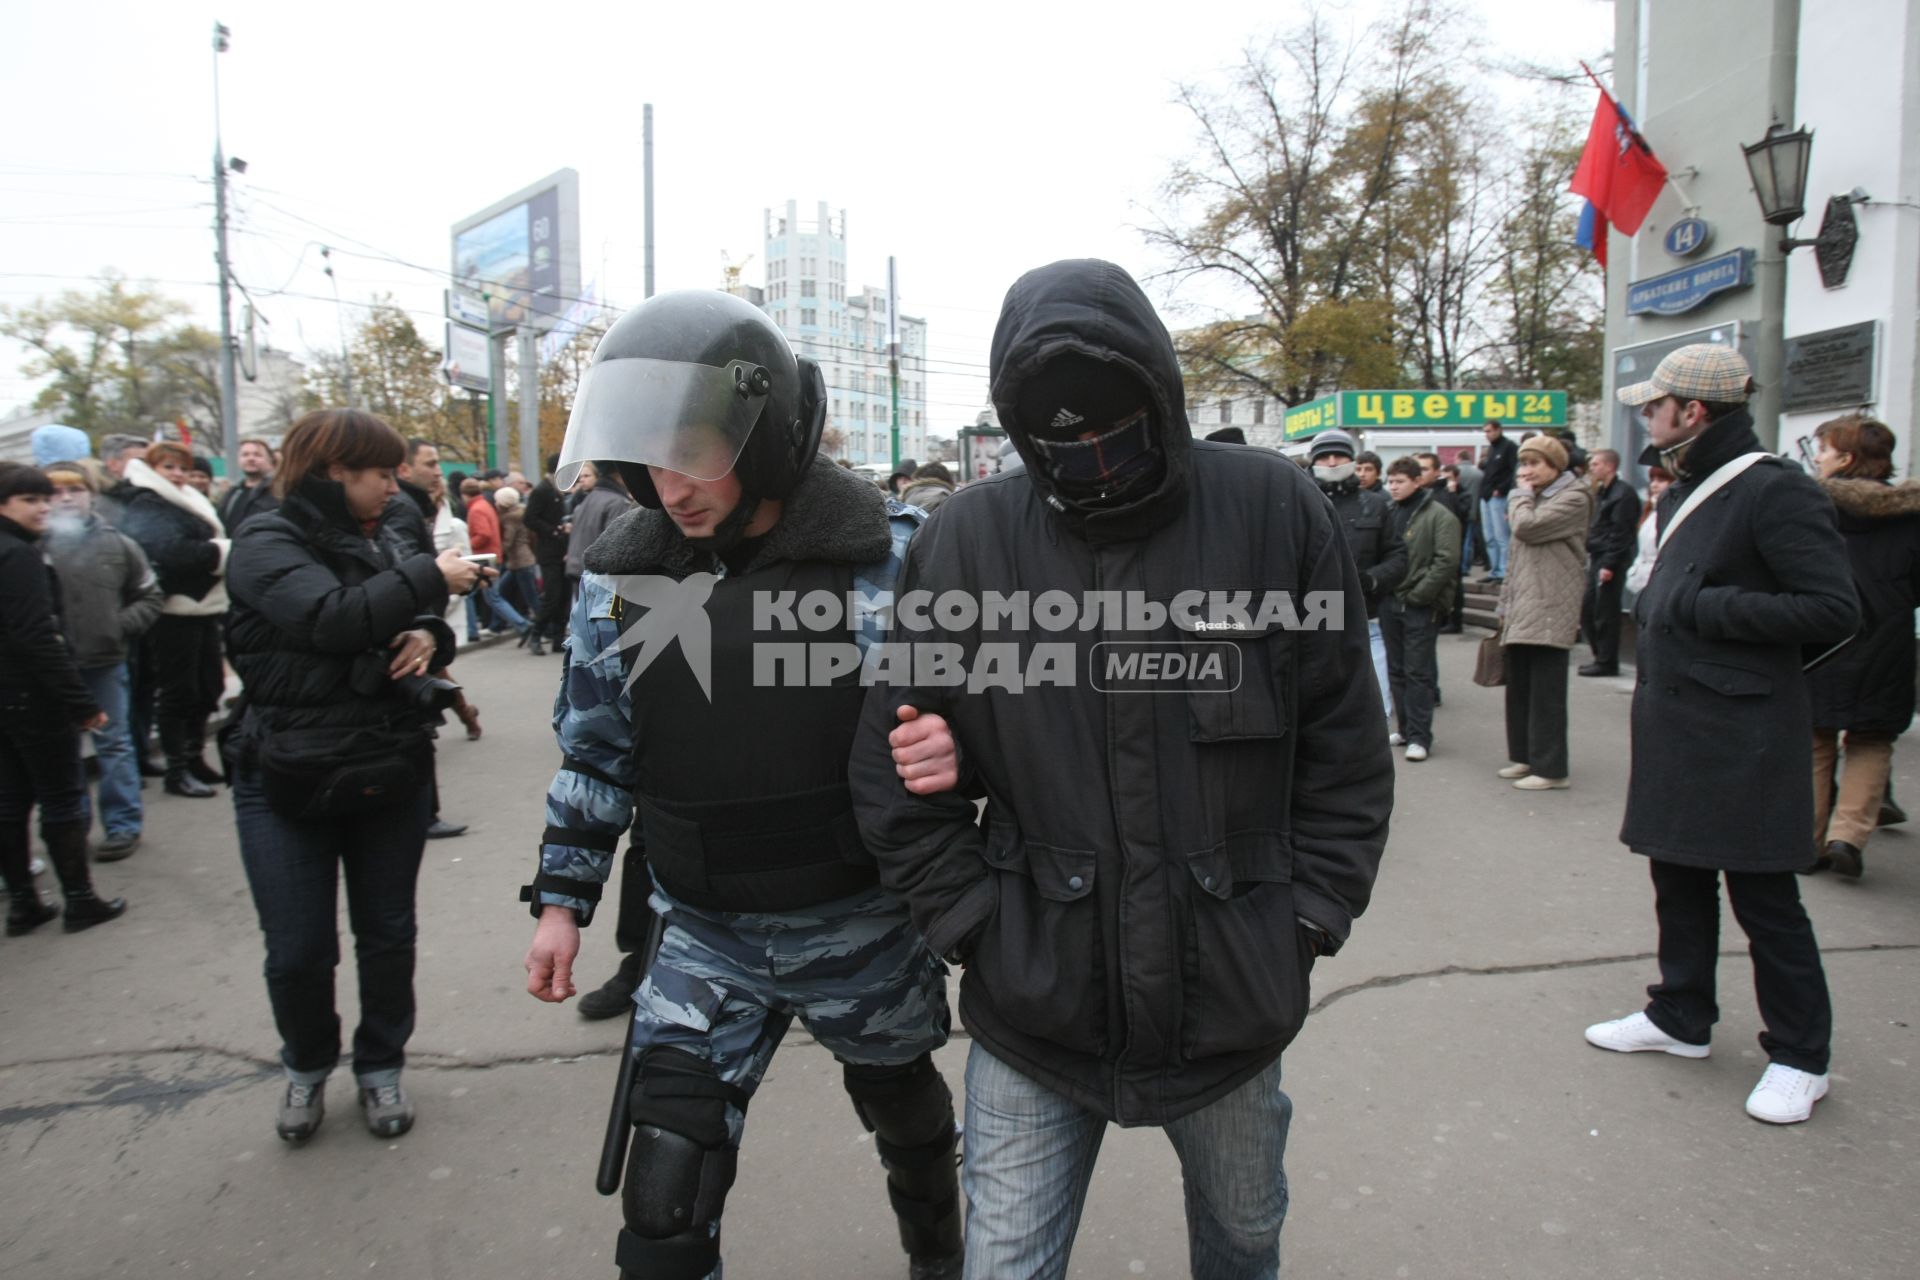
(613, 1148)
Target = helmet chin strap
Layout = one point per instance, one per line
(728, 533)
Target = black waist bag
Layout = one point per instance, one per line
(312, 775)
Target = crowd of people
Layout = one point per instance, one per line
(814, 849)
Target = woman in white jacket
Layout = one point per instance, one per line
(1659, 479)
(178, 528)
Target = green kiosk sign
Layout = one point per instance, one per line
(1416, 410)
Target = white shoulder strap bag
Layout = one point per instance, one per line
(1710, 486)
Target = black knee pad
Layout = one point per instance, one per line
(909, 1111)
(908, 1108)
(682, 1162)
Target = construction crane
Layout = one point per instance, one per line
(730, 271)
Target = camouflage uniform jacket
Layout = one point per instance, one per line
(593, 715)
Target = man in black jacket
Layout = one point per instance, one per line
(1496, 482)
(1366, 517)
(1611, 542)
(1722, 726)
(546, 519)
(1157, 870)
(409, 518)
(254, 493)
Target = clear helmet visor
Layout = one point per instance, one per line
(684, 417)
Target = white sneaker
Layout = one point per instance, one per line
(1636, 1033)
(1514, 771)
(1534, 782)
(1396, 740)
(1785, 1095)
(1416, 752)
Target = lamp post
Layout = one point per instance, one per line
(229, 407)
(1778, 166)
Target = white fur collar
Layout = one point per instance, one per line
(142, 476)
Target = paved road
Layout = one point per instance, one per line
(1450, 1121)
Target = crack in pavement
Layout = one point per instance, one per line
(116, 1093)
(1552, 966)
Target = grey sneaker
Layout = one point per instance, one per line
(114, 848)
(302, 1110)
(386, 1110)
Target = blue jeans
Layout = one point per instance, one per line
(502, 612)
(1467, 535)
(1377, 643)
(1030, 1153)
(294, 870)
(121, 813)
(1493, 526)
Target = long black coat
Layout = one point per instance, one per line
(1129, 913)
(1868, 686)
(316, 603)
(1722, 725)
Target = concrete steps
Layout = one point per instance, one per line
(1481, 600)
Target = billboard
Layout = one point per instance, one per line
(524, 252)
(469, 358)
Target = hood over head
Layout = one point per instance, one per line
(1095, 312)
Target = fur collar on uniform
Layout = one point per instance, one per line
(1874, 499)
(142, 476)
(833, 515)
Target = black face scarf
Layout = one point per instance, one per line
(1110, 467)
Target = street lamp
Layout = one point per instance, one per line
(1778, 165)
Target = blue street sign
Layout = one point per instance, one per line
(1678, 292)
(1688, 237)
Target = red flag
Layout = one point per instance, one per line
(1618, 171)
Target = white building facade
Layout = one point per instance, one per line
(1703, 79)
(846, 330)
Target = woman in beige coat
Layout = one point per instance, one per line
(1548, 512)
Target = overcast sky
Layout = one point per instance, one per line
(972, 141)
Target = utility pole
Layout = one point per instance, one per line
(893, 352)
(229, 406)
(646, 134)
(529, 399)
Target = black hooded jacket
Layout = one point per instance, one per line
(1128, 911)
(1379, 552)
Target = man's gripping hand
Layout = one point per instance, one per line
(556, 941)
(924, 754)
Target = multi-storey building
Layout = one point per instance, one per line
(846, 330)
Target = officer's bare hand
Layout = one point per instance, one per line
(556, 941)
(924, 753)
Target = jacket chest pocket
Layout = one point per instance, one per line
(1244, 956)
(1042, 955)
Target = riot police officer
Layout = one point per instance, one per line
(684, 714)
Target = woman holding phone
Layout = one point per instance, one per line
(334, 633)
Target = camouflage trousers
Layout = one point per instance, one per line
(725, 987)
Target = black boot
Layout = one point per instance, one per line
(67, 850)
(176, 739)
(614, 996)
(25, 911)
(197, 753)
(909, 1111)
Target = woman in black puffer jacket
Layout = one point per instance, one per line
(1867, 690)
(333, 632)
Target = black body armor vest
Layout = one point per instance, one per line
(742, 801)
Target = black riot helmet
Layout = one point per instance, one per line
(703, 383)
